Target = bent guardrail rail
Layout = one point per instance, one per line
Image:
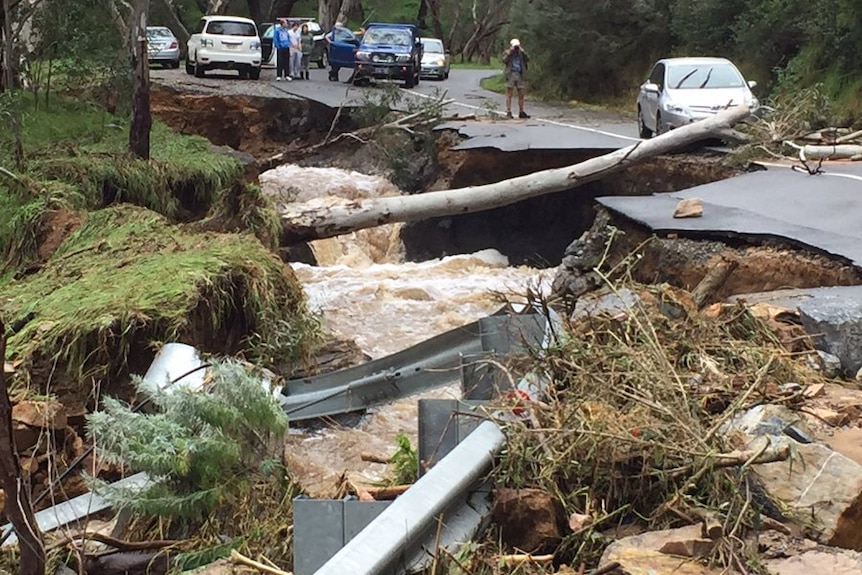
(432, 363)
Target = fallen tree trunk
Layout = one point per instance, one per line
(327, 217)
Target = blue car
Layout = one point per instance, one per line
(390, 51)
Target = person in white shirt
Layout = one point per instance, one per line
(295, 37)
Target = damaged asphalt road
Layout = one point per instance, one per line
(462, 87)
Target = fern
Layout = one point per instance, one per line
(196, 447)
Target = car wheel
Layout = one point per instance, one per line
(643, 131)
(254, 74)
(190, 69)
(446, 75)
(243, 74)
(658, 131)
(199, 69)
(175, 64)
(409, 81)
(321, 64)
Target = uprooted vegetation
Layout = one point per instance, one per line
(630, 432)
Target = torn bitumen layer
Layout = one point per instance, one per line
(820, 212)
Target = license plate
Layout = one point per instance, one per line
(381, 70)
(232, 46)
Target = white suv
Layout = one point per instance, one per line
(224, 43)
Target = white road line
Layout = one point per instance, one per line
(545, 120)
(790, 167)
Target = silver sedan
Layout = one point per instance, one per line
(435, 59)
(680, 91)
(163, 46)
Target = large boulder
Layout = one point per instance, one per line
(816, 482)
(530, 520)
(670, 551)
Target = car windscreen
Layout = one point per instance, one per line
(159, 33)
(218, 28)
(388, 36)
(432, 46)
(700, 76)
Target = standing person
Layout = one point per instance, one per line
(307, 47)
(281, 42)
(295, 50)
(329, 39)
(515, 61)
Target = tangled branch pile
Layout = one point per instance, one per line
(630, 432)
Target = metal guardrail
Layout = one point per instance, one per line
(393, 541)
(427, 365)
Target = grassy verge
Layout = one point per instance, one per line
(496, 64)
(127, 278)
(75, 159)
(495, 83)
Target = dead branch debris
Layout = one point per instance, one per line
(631, 429)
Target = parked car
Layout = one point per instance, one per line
(390, 51)
(163, 47)
(435, 59)
(684, 90)
(224, 43)
(318, 52)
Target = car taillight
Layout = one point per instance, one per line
(173, 45)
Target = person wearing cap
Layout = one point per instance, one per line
(329, 38)
(515, 60)
(281, 43)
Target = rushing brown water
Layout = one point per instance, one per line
(366, 292)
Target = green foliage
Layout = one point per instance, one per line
(404, 463)
(195, 447)
(587, 50)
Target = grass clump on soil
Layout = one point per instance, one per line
(75, 158)
(629, 432)
(127, 278)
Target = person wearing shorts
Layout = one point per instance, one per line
(515, 60)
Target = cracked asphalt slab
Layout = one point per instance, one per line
(551, 126)
(820, 212)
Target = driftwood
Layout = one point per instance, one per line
(324, 218)
(237, 557)
(713, 281)
(828, 152)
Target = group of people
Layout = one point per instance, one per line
(293, 46)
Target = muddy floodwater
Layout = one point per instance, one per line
(366, 292)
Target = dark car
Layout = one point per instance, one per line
(390, 51)
(318, 52)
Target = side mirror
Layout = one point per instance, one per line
(752, 84)
(651, 87)
(448, 51)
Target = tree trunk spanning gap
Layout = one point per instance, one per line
(323, 218)
(18, 508)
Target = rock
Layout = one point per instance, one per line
(671, 551)
(831, 364)
(530, 520)
(689, 208)
(832, 561)
(579, 521)
(831, 315)
(816, 482)
(41, 414)
(833, 418)
(813, 390)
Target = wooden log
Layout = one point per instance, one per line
(714, 279)
(329, 217)
(386, 493)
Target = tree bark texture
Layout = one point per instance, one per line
(177, 24)
(7, 81)
(282, 9)
(18, 508)
(323, 219)
(218, 6)
(142, 120)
